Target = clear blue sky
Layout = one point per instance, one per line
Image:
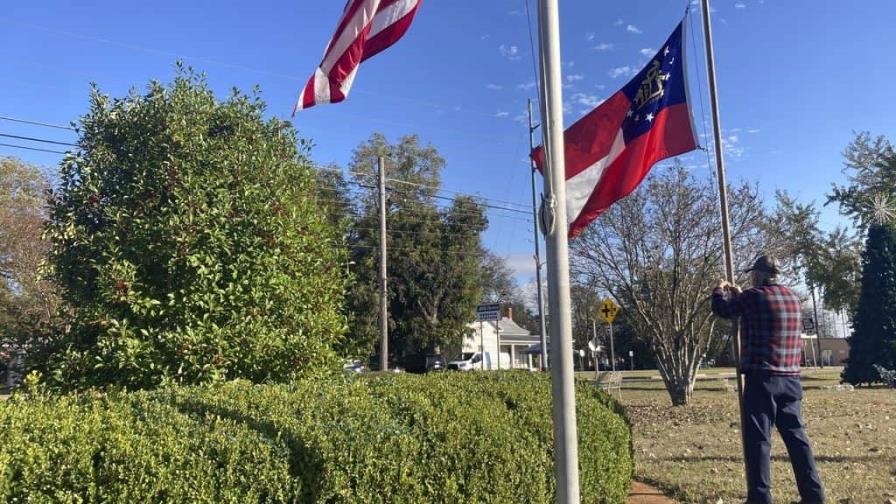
(796, 77)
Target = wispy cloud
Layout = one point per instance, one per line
(512, 53)
(484, 36)
(732, 146)
(515, 13)
(587, 100)
(622, 71)
(589, 36)
(633, 29)
(603, 46)
(619, 22)
(501, 113)
(647, 51)
(494, 87)
(526, 86)
(740, 5)
(754, 130)
(574, 77)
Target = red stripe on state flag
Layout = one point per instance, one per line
(589, 139)
(669, 136)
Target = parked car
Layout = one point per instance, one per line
(351, 366)
(394, 366)
(424, 363)
(473, 361)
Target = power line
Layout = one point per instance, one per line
(31, 148)
(522, 208)
(409, 249)
(33, 139)
(473, 196)
(36, 123)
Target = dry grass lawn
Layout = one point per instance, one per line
(694, 452)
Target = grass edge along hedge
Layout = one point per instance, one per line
(479, 437)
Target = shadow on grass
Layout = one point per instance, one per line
(777, 458)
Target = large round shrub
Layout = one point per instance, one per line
(187, 239)
(477, 437)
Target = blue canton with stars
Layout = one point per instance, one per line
(658, 85)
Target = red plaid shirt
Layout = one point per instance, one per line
(770, 327)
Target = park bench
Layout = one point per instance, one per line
(610, 381)
(727, 385)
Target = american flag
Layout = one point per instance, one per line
(365, 28)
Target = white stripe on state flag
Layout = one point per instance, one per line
(580, 187)
(389, 15)
(363, 16)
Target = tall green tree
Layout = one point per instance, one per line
(187, 237)
(873, 339)
(434, 252)
(869, 195)
(868, 198)
(826, 261)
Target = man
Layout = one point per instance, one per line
(770, 361)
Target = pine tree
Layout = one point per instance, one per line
(874, 325)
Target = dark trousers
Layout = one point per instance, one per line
(775, 400)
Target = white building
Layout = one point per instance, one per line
(513, 340)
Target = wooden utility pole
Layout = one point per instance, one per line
(384, 293)
(723, 201)
(538, 290)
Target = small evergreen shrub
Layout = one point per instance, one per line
(478, 437)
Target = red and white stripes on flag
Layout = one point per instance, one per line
(366, 28)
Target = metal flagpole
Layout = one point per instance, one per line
(544, 326)
(817, 326)
(566, 457)
(723, 202)
(384, 310)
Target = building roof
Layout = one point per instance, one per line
(510, 328)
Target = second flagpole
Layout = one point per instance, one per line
(723, 202)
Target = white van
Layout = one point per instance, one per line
(473, 361)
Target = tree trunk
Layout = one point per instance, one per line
(681, 389)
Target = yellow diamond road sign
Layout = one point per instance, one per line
(608, 310)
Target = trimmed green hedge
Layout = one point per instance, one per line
(474, 437)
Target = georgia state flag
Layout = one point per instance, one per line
(612, 148)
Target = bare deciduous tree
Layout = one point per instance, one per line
(659, 252)
(28, 300)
